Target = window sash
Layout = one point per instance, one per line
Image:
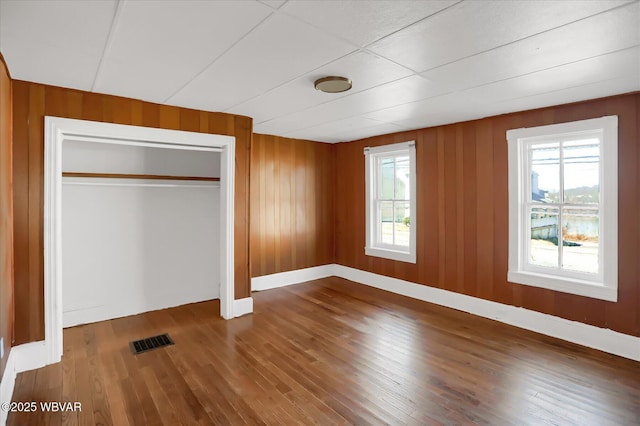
(559, 269)
(528, 205)
(377, 245)
(380, 199)
(604, 284)
(379, 241)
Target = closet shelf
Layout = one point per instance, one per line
(137, 176)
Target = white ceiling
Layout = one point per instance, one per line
(413, 63)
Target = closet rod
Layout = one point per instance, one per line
(137, 176)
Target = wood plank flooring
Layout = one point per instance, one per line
(329, 352)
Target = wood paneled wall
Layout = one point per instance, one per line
(31, 102)
(6, 214)
(462, 239)
(307, 202)
(291, 204)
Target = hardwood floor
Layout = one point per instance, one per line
(329, 352)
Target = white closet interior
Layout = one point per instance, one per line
(133, 244)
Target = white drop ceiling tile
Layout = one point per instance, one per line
(413, 112)
(279, 50)
(624, 84)
(291, 97)
(275, 4)
(272, 127)
(58, 43)
(317, 135)
(363, 22)
(160, 46)
(366, 132)
(365, 70)
(343, 130)
(265, 74)
(607, 32)
(472, 27)
(124, 79)
(579, 73)
(450, 108)
(398, 92)
(70, 25)
(66, 68)
(396, 113)
(440, 118)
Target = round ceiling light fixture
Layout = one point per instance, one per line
(333, 84)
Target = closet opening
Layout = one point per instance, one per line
(136, 219)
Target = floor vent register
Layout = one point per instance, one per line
(150, 343)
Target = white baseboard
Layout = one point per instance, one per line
(602, 339)
(6, 387)
(21, 358)
(242, 307)
(102, 313)
(282, 279)
(30, 356)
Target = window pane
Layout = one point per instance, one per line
(580, 230)
(545, 172)
(581, 171)
(387, 178)
(543, 246)
(402, 224)
(386, 222)
(402, 178)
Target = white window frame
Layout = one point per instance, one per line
(604, 284)
(373, 247)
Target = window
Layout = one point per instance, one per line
(563, 207)
(390, 175)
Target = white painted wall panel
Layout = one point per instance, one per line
(132, 249)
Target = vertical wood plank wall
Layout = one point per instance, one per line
(463, 212)
(291, 204)
(307, 201)
(31, 102)
(6, 214)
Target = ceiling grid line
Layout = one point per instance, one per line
(221, 55)
(369, 112)
(344, 95)
(550, 68)
(552, 91)
(360, 92)
(366, 47)
(531, 36)
(109, 43)
(291, 80)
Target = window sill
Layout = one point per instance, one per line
(391, 254)
(565, 285)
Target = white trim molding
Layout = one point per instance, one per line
(602, 339)
(29, 356)
(282, 279)
(374, 246)
(242, 306)
(602, 282)
(21, 358)
(59, 130)
(7, 385)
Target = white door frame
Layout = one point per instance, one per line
(57, 131)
